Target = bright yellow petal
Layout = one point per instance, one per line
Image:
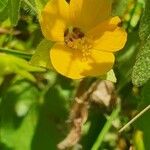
(88, 13)
(107, 25)
(71, 63)
(99, 63)
(111, 41)
(108, 36)
(54, 19)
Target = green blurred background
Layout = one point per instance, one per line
(35, 102)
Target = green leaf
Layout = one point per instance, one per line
(119, 7)
(138, 140)
(17, 53)
(13, 11)
(143, 122)
(40, 5)
(19, 116)
(141, 69)
(144, 31)
(106, 128)
(41, 57)
(4, 14)
(52, 115)
(111, 76)
(10, 64)
(3, 4)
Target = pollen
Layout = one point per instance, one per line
(77, 40)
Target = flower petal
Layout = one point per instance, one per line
(108, 36)
(88, 13)
(71, 63)
(54, 19)
(107, 25)
(111, 41)
(99, 63)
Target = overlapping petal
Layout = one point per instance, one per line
(111, 41)
(54, 19)
(71, 63)
(108, 36)
(88, 13)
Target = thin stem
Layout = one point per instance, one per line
(106, 128)
(30, 5)
(16, 53)
(135, 118)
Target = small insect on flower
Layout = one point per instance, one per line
(85, 36)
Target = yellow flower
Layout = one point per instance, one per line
(85, 36)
